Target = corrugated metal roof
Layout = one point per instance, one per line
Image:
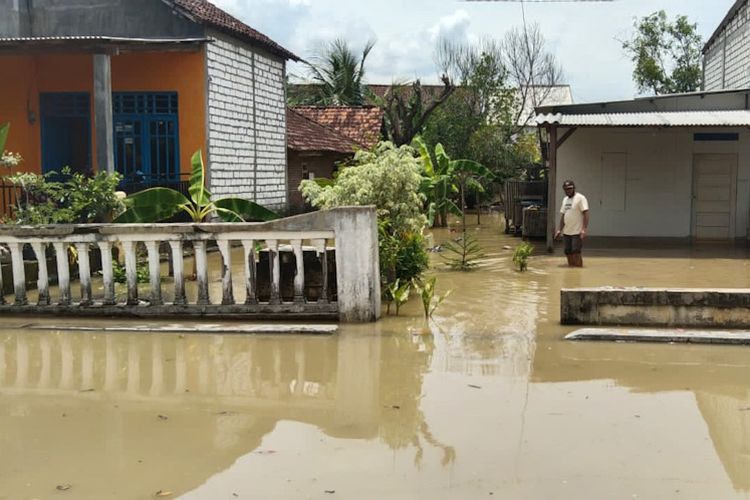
(97, 38)
(737, 118)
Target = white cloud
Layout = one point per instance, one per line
(453, 27)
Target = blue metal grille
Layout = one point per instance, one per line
(146, 139)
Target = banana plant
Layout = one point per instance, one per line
(160, 203)
(4, 128)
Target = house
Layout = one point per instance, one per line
(674, 166)
(726, 55)
(136, 86)
(320, 137)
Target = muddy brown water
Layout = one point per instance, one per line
(485, 400)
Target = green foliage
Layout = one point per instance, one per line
(462, 255)
(158, 204)
(119, 273)
(4, 129)
(430, 302)
(69, 198)
(389, 178)
(521, 255)
(398, 294)
(338, 77)
(667, 55)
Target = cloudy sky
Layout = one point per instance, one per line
(583, 35)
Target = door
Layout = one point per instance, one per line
(714, 196)
(66, 132)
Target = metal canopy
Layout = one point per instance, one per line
(95, 44)
(722, 118)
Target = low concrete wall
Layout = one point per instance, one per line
(689, 307)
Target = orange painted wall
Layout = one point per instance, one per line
(183, 72)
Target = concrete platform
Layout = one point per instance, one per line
(733, 337)
(320, 329)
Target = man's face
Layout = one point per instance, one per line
(570, 190)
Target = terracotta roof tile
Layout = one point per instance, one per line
(207, 13)
(304, 134)
(361, 124)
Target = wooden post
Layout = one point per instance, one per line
(551, 186)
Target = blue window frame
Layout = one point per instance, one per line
(66, 131)
(147, 150)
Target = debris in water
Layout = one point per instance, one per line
(63, 487)
(88, 390)
(163, 493)
(265, 452)
(163, 417)
(475, 386)
(330, 492)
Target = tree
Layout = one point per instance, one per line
(337, 75)
(667, 55)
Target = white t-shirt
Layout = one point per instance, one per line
(573, 209)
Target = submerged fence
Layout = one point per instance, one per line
(352, 230)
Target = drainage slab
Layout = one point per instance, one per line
(200, 328)
(735, 337)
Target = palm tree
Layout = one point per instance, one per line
(338, 74)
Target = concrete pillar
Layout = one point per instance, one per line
(551, 187)
(357, 264)
(103, 122)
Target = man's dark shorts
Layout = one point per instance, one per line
(573, 243)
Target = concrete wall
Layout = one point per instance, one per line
(653, 198)
(727, 60)
(131, 18)
(317, 164)
(246, 123)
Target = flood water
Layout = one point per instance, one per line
(484, 400)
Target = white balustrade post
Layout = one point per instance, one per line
(299, 276)
(320, 250)
(19, 273)
(201, 267)
(275, 271)
(2, 289)
(178, 268)
(42, 283)
(63, 272)
(251, 279)
(105, 248)
(227, 294)
(154, 272)
(84, 273)
(131, 271)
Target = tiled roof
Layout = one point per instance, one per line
(361, 124)
(304, 134)
(205, 12)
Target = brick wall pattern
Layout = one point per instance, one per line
(727, 59)
(246, 124)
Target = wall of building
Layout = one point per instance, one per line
(654, 197)
(318, 164)
(126, 18)
(727, 60)
(246, 123)
(182, 72)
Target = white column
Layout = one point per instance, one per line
(299, 276)
(84, 273)
(131, 271)
(19, 273)
(178, 268)
(154, 272)
(42, 282)
(201, 268)
(105, 248)
(63, 273)
(251, 280)
(275, 268)
(227, 294)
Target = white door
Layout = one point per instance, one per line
(714, 196)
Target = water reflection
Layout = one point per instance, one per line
(142, 395)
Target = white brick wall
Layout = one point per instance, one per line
(727, 60)
(246, 124)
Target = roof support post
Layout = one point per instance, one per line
(551, 186)
(103, 121)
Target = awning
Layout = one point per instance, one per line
(94, 44)
(733, 118)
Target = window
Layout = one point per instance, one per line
(146, 138)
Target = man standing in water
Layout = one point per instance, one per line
(574, 223)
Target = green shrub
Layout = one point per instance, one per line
(521, 255)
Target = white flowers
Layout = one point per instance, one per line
(10, 159)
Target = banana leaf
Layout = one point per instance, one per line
(197, 189)
(238, 210)
(4, 128)
(152, 205)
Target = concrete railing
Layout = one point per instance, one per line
(352, 229)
